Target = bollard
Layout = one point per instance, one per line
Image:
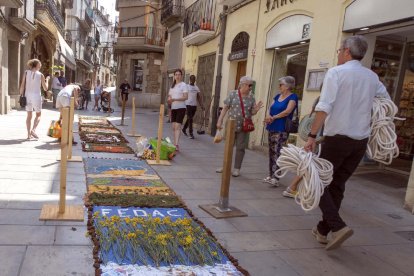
(157, 160)
(133, 133)
(222, 209)
(62, 211)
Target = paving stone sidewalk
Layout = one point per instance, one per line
(274, 239)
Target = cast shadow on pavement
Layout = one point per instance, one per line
(52, 145)
(12, 142)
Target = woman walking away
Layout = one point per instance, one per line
(97, 94)
(233, 105)
(30, 86)
(176, 97)
(283, 107)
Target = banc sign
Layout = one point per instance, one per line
(275, 4)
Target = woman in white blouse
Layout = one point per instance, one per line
(176, 97)
(30, 86)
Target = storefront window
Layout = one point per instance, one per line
(405, 129)
(138, 74)
(288, 62)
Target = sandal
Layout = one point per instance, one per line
(34, 134)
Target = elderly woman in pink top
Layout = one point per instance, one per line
(30, 86)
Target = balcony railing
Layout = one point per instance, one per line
(172, 12)
(153, 36)
(51, 7)
(199, 16)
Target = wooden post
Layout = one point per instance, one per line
(227, 161)
(61, 211)
(123, 110)
(222, 209)
(157, 160)
(63, 159)
(71, 158)
(133, 133)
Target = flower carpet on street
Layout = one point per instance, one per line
(99, 135)
(156, 241)
(139, 226)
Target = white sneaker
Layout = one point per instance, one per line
(219, 170)
(236, 173)
(273, 182)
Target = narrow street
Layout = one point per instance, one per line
(274, 239)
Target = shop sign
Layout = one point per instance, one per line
(238, 55)
(275, 4)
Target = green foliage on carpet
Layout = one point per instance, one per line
(132, 200)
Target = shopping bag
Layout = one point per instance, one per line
(57, 130)
(50, 129)
(219, 136)
(167, 149)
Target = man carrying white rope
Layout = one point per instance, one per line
(345, 110)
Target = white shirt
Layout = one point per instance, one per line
(193, 90)
(176, 93)
(67, 91)
(56, 83)
(33, 82)
(347, 97)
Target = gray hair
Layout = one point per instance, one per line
(289, 81)
(357, 46)
(245, 79)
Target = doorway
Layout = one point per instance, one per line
(287, 62)
(241, 71)
(204, 81)
(393, 61)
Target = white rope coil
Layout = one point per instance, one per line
(316, 174)
(382, 144)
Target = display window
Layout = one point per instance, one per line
(393, 61)
(287, 62)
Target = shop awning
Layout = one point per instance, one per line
(67, 53)
(288, 31)
(368, 13)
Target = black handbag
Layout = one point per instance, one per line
(23, 100)
(292, 125)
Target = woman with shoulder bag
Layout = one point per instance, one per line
(282, 108)
(30, 87)
(241, 106)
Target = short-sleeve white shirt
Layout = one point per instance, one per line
(193, 90)
(176, 93)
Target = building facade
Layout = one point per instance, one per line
(17, 24)
(104, 69)
(139, 50)
(274, 38)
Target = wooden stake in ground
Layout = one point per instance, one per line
(222, 209)
(157, 161)
(123, 110)
(70, 133)
(133, 133)
(61, 211)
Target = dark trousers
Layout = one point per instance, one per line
(345, 154)
(191, 110)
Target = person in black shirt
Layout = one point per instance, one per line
(125, 87)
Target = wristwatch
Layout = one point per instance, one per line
(312, 135)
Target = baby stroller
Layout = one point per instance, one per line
(106, 102)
